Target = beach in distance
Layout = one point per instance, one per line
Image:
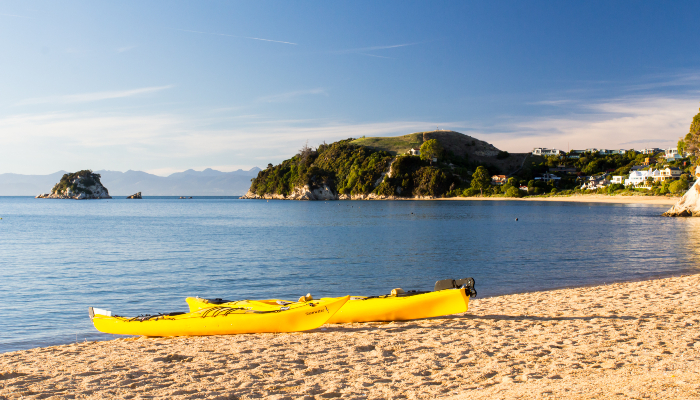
(588, 198)
(633, 340)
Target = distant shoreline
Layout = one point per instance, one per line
(589, 198)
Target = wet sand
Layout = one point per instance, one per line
(620, 341)
(588, 198)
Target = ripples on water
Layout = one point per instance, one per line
(57, 257)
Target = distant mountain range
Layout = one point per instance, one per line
(188, 183)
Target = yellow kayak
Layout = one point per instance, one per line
(450, 297)
(241, 317)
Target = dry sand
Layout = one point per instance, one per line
(586, 198)
(625, 340)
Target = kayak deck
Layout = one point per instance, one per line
(224, 320)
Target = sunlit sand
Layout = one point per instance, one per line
(625, 340)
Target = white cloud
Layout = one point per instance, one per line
(89, 97)
(125, 48)
(644, 121)
(168, 142)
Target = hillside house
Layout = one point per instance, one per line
(672, 154)
(547, 177)
(639, 178)
(575, 153)
(414, 152)
(649, 161)
(544, 152)
(651, 151)
(595, 182)
(498, 179)
(667, 173)
(618, 179)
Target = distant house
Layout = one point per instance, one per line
(651, 151)
(649, 161)
(618, 179)
(548, 177)
(639, 178)
(414, 151)
(542, 151)
(667, 174)
(498, 179)
(610, 152)
(595, 182)
(672, 154)
(575, 153)
(523, 187)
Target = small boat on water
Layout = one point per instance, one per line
(448, 297)
(223, 319)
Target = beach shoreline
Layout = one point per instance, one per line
(622, 340)
(587, 198)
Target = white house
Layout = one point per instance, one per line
(414, 152)
(541, 151)
(667, 173)
(652, 151)
(617, 179)
(595, 182)
(638, 178)
(548, 177)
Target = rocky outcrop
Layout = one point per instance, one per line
(322, 192)
(689, 204)
(135, 196)
(81, 185)
(325, 194)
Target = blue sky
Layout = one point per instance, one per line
(164, 86)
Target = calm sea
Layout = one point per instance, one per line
(57, 257)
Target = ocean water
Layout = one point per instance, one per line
(57, 257)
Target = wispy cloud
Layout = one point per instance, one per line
(374, 55)
(373, 48)
(364, 51)
(15, 16)
(89, 97)
(276, 98)
(616, 123)
(241, 37)
(125, 48)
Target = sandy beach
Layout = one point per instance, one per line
(588, 198)
(625, 340)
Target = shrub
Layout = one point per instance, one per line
(678, 187)
(513, 192)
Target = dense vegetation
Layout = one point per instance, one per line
(351, 169)
(86, 178)
(354, 167)
(691, 142)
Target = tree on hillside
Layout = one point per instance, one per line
(429, 149)
(691, 142)
(480, 180)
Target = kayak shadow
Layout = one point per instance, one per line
(397, 326)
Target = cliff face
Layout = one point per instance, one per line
(81, 185)
(689, 204)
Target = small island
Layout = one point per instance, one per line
(81, 185)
